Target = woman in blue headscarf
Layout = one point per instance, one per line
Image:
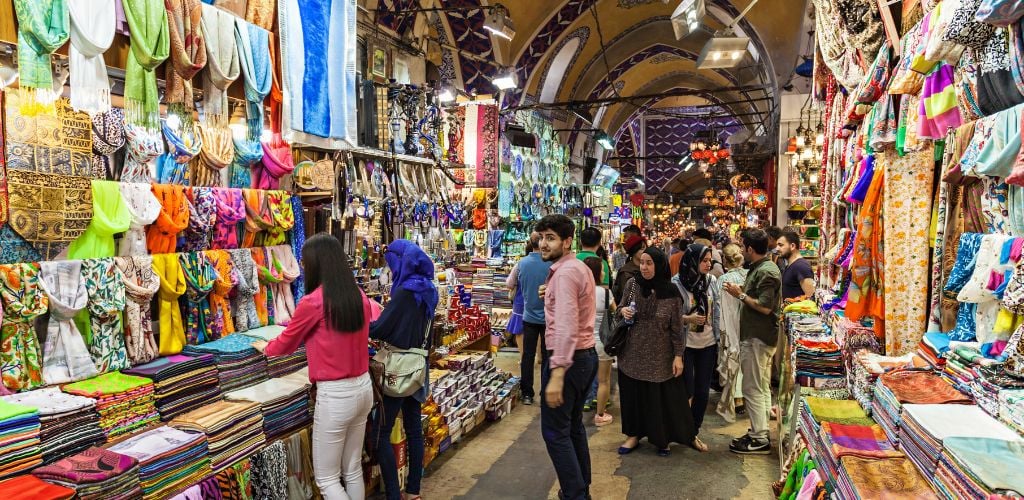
(405, 324)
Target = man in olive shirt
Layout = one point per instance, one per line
(759, 317)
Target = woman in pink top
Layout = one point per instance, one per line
(333, 321)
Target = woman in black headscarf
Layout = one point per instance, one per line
(651, 388)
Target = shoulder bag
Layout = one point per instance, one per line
(605, 331)
(620, 333)
(402, 372)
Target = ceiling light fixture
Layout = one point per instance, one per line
(604, 140)
(687, 18)
(499, 23)
(446, 94)
(724, 50)
(505, 80)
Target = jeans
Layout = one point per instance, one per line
(410, 409)
(339, 426)
(533, 334)
(592, 392)
(562, 427)
(756, 367)
(699, 368)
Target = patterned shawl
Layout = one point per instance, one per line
(23, 300)
(254, 58)
(202, 218)
(188, 49)
(284, 302)
(144, 207)
(141, 283)
(144, 146)
(230, 212)
(150, 46)
(243, 303)
(65, 356)
(200, 276)
(107, 139)
(218, 152)
(106, 288)
(185, 143)
(49, 210)
(257, 216)
(162, 235)
(283, 215)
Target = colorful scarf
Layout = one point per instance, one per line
(65, 356)
(111, 215)
(222, 63)
(106, 288)
(185, 144)
(200, 276)
(260, 13)
(92, 32)
(107, 139)
(144, 208)
(144, 146)
(43, 27)
(277, 154)
(298, 240)
(14, 248)
(243, 303)
(218, 152)
(162, 235)
(172, 286)
(268, 269)
(23, 300)
(247, 153)
(141, 283)
(257, 216)
(284, 302)
(220, 322)
(283, 215)
(150, 46)
(230, 211)
(49, 210)
(187, 51)
(202, 219)
(254, 58)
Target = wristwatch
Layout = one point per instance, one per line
(742, 297)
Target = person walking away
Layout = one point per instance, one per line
(798, 278)
(570, 360)
(635, 246)
(759, 316)
(332, 320)
(604, 305)
(618, 257)
(533, 272)
(652, 391)
(515, 321)
(590, 246)
(729, 340)
(405, 323)
(701, 317)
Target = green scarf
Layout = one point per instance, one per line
(43, 26)
(151, 44)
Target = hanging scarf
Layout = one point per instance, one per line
(277, 154)
(23, 300)
(283, 216)
(144, 146)
(269, 272)
(110, 216)
(247, 153)
(284, 302)
(298, 240)
(141, 283)
(243, 304)
(150, 46)
(218, 152)
(162, 235)
(184, 144)
(230, 211)
(65, 356)
(107, 139)
(172, 286)
(260, 13)
(199, 278)
(52, 222)
(220, 321)
(693, 280)
(257, 216)
(254, 59)
(105, 285)
(92, 32)
(144, 208)
(187, 49)
(661, 283)
(221, 63)
(202, 219)
(43, 27)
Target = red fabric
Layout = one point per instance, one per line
(29, 486)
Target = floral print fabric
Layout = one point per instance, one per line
(141, 283)
(105, 284)
(23, 301)
(866, 297)
(200, 276)
(243, 304)
(202, 219)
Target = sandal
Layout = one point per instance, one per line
(699, 445)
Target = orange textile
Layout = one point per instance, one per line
(162, 235)
(257, 215)
(866, 294)
(259, 255)
(29, 486)
(220, 303)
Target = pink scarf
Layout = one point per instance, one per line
(277, 162)
(230, 211)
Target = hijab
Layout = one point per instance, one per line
(692, 279)
(661, 283)
(412, 270)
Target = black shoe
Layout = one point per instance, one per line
(747, 445)
(528, 400)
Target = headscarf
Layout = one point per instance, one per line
(692, 279)
(412, 270)
(661, 283)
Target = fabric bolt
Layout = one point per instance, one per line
(231, 210)
(23, 301)
(200, 276)
(65, 355)
(92, 32)
(298, 239)
(48, 210)
(161, 237)
(202, 219)
(43, 27)
(921, 387)
(144, 208)
(144, 146)
(184, 142)
(223, 66)
(172, 286)
(105, 285)
(187, 49)
(243, 304)
(218, 153)
(141, 284)
(221, 322)
(150, 46)
(107, 139)
(111, 215)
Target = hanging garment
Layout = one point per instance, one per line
(202, 219)
(281, 211)
(236, 481)
(966, 259)
(231, 210)
(200, 276)
(257, 216)
(3, 169)
(110, 216)
(14, 248)
(994, 199)
(267, 275)
(298, 239)
(481, 143)
(938, 108)
(144, 208)
(866, 292)
(247, 153)
(106, 288)
(172, 286)
(150, 46)
(243, 304)
(277, 154)
(254, 59)
(65, 355)
(222, 63)
(270, 469)
(23, 301)
(260, 13)
(187, 49)
(220, 322)
(145, 145)
(284, 301)
(43, 27)
(997, 155)
(49, 143)
(92, 32)
(49, 210)
(218, 152)
(161, 237)
(185, 142)
(141, 283)
(107, 139)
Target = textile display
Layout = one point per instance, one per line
(866, 292)
(107, 139)
(65, 355)
(233, 429)
(277, 154)
(20, 436)
(258, 217)
(284, 403)
(59, 143)
(222, 63)
(270, 472)
(181, 383)
(124, 402)
(141, 284)
(150, 46)
(243, 303)
(49, 210)
(866, 441)
(299, 447)
(95, 474)
(238, 364)
(144, 147)
(260, 13)
(172, 286)
(268, 275)
(32, 487)
(170, 460)
(481, 143)
(283, 214)
(248, 152)
(217, 154)
(92, 32)
(200, 276)
(14, 248)
(221, 322)
(988, 464)
(69, 424)
(43, 27)
(184, 142)
(144, 208)
(202, 219)
(279, 366)
(23, 300)
(161, 237)
(110, 216)
(284, 303)
(921, 387)
(187, 49)
(837, 411)
(105, 285)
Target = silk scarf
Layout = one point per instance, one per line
(230, 211)
(202, 219)
(185, 143)
(49, 210)
(144, 146)
(111, 215)
(222, 63)
(187, 50)
(107, 139)
(247, 153)
(254, 59)
(243, 304)
(43, 27)
(150, 46)
(277, 154)
(92, 32)
(161, 237)
(144, 207)
(221, 323)
(284, 302)
(23, 301)
(200, 276)
(65, 356)
(257, 216)
(298, 240)
(141, 283)
(105, 285)
(218, 152)
(280, 205)
(172, 286)
(58, 142)
(269, 274)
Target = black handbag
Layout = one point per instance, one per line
(620, 331)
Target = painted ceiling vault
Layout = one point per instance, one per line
(557, 54)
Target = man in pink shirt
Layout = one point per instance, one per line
(570, 361)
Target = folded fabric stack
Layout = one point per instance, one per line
(814, 414)
(898, 388)
(234, 429)
(279, 366)
(885, 408)
(170, 460)
(819, 359)
(125, 402)
(238, 364)
(29, 486)
(980, 468)
(19, 438)
(283, 402)
(1011, 409)
(932, 346)
(926, 427)
(181, 383)
(870, 478)
(95, 474)
(867, 366)
(68, 423)
(959, 371)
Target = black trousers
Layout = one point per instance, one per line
(564, 433)
(699, 368)
(533, 334)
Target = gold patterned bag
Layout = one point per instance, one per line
(49, 210)
(46, 143)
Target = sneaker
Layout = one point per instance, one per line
(588, 406)
(602, 420)
(750, 446)
(527, 400)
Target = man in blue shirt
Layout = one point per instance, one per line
(531, 273)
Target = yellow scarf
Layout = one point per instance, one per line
(172, 286)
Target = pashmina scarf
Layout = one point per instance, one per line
(49, 210)
(200, 276)
(257, 216)
(162, 235)
(222, 63)
(277, 154)
(270, 468)
(188, 49)
(65, 356)
(144, 146)
(92, 32)
(247, 154)
(43, 27)
(202, 219)
(150, 46)
(172, 286)
(185, 143)
(254, 58)
(230, 211)
(218, 152)
(107, 139)
(106, 288)
(54, 143)
(220, 322)
(23, 300)
(269, 274)
(243, 305)
(283, 215)
(260, 13)
(141, 283)
(144, 207)
(111, 215)
(284, 302)
(298, 240)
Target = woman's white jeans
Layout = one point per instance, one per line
(339, 425)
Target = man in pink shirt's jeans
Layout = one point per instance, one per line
(570, 360)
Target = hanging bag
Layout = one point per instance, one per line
(620, 334)
(402, 372)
